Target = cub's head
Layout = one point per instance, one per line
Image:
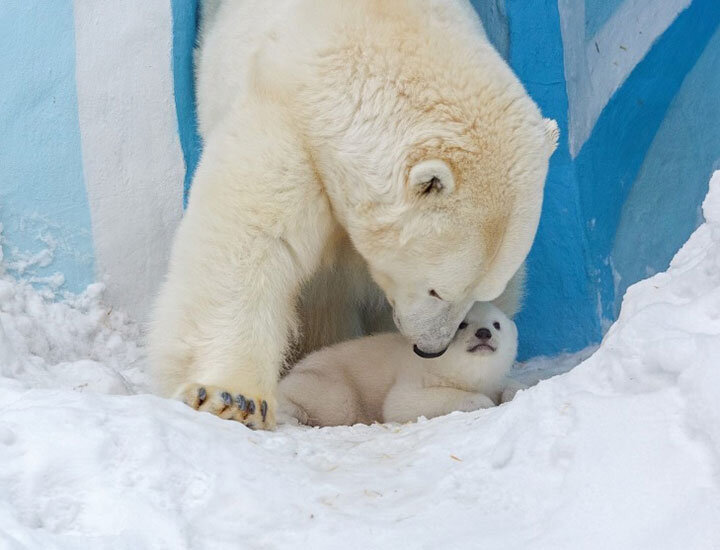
(483, 349)
(485, 333)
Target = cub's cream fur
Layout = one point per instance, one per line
(354, 151)
(380, 379)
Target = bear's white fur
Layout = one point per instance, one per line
(346, 144)
(379, 378)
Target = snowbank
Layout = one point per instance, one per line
(622, 452)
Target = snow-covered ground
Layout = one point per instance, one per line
(622, 452)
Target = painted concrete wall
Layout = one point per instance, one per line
(43, 203)
(494, 17)
(99, 140)
(597, 13)
(558, 280)
(132, 160)
(91, 167)
(611, 92)
(669, 187)
(185, 16)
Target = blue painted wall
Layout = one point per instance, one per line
(494, 17)
(597, 12)
(570, 265)
(185, 15)
(557, 270)
(609, 162)
(673, 179)
(42, 193)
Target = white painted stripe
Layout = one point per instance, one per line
(132, 158)
(597, 67)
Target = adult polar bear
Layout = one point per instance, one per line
(342, 137)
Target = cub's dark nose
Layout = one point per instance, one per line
(483, 334)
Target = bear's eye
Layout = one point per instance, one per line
(434, 294)
(433, 184)
(462, 325)
(496, 325)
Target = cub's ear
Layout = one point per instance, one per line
(552, 134)
(431, 177)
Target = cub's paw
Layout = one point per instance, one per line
(255, 412)
(512, 387)
(475, 402)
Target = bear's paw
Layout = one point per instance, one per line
(254, 412)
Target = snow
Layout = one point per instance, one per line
(621, 452)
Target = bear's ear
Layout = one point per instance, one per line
(429, 177)
(552, 134)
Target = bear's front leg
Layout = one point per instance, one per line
(256, 226)
(225, 348)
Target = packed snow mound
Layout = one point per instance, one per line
(622, 452)
(77, 343)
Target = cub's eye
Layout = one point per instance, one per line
(434, 294)
(462, 325)
(496, 325)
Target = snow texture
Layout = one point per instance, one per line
(621, 452)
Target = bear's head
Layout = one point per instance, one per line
(434, 158)
(463, 227)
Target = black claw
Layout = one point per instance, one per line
(241, 403)
(202, 394)
(251, 407)
(227, 398)
(251, 426)
(263, 409)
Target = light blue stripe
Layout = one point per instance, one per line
(597, 13)
(571, 286)
(42, 192)
(674, 177)
(608, 164)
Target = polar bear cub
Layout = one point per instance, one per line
(379, 378)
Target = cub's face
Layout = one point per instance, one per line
(487, 335)
(464, 226)
(483, 349)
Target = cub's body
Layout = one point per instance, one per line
(379, 378)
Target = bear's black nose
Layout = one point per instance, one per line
(427, 354)
(483, 334)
